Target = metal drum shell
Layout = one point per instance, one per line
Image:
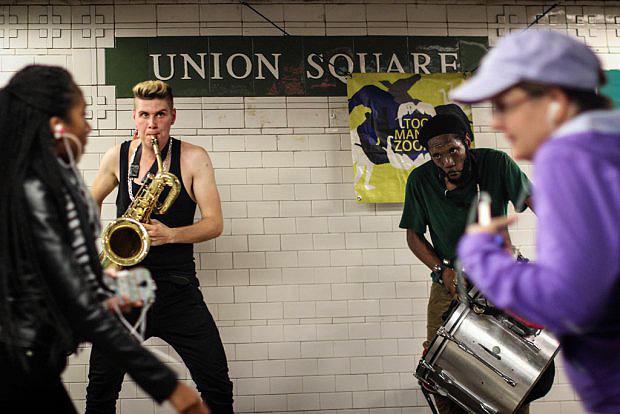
(505, 369)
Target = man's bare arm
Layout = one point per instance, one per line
(107, 176)
(424, 251)
(207, 197)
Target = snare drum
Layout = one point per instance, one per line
(486, 363)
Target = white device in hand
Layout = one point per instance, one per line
(134, 284)
(484, 209)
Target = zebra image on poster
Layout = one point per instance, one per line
(386, 111)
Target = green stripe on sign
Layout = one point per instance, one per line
(612, 88)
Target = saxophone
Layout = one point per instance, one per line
(125, 241)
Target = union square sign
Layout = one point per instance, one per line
(280, 65)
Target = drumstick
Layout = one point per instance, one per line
(484, 209)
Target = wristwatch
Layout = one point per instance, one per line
(437, 272)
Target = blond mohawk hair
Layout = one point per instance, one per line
(154, 89)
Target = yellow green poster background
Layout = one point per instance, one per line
(386, 111)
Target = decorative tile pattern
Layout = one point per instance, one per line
(100, 106)
(504, 19)
(49, 27)
(13, 27)
(92, 26)
(588, 23)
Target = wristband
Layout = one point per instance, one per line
(437, 271)
(436, 274)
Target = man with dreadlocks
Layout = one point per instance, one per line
(51, 290)
(439, 194)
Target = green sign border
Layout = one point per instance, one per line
(612, 88)
(130, 61)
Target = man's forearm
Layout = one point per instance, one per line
(203, 230)
(422, 249)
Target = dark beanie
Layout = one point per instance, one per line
(440, 125)
(454, 109)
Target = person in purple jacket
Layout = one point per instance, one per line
(543, 86)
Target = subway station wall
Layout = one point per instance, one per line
(319, 302)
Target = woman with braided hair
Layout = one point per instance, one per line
(51, 291)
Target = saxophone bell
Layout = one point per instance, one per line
(126, 242)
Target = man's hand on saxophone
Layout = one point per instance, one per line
(159, 232)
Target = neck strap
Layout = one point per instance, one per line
(134, 168)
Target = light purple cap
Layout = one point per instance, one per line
(541, 56)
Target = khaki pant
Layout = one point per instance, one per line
(438, 303)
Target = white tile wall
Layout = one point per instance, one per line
(320, 304)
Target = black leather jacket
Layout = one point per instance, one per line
(78, 301)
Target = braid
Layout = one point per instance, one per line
(32, 97)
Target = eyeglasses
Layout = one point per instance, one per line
(502, 108)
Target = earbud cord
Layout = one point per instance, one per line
(75, 139)
(72, 164)
(139, 328)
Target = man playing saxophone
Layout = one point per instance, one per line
(179, 315)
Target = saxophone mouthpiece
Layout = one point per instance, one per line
(160, 165)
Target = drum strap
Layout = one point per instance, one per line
(429, 400)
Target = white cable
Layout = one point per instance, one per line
(133, 330)
(90, 202)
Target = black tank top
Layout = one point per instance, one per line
(168, 259)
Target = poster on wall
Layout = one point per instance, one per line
(386, 111)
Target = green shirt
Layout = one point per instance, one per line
(427, 203)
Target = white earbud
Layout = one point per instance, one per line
(60, 133)
(552, 112)
(59, 130)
